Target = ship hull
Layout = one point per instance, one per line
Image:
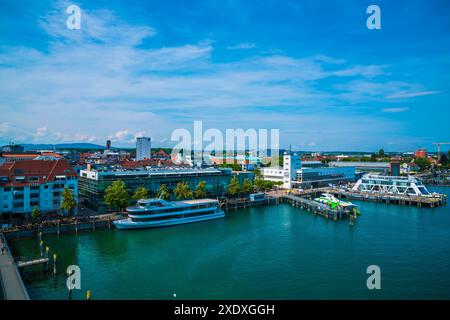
(128, 224)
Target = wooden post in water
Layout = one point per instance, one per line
(41, 248)
(47, 249)
(57, 227)
(76, 226)
(55, 256)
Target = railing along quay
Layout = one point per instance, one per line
(243, 203)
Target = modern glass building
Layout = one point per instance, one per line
(93, 183)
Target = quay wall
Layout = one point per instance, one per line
(63, 228)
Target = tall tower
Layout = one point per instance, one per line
(143, 148)
(108, 144)
(291, 163)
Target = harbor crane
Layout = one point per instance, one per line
(439, 148)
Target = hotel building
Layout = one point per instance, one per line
(34, 183)
(93, 182)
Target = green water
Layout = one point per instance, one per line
(276, 252)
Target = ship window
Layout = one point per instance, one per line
(423, 190)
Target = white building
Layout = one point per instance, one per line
(286, 174)
(296, 173)
(143, 148)
(291, 163)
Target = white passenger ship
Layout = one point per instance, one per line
(150, 213)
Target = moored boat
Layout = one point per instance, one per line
(150, 213)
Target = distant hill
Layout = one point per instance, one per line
(31, 147)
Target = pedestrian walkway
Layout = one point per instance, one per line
(11, 282)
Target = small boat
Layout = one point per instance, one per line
(333, 202)
(150, 213)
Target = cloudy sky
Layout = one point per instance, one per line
(309, 68)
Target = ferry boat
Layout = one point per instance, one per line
(395, 185)
(151, 213)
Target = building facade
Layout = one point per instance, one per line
(34, 183)
(391, 168)
(296, 173)
(318, 177)
(143, 148)
(291, 163)
(93, 183)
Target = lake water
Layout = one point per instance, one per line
(276, 252)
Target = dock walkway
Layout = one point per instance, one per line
(11, 282)
(400, 199)
(315, 207)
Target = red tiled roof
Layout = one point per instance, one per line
(162, 153)
(52, 154)
(20, 155)
(45, 170)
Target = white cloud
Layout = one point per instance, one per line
(395, 110)
(91, 80)
(411, 94)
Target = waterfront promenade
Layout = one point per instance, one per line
(11, 282)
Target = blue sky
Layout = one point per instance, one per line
(309, 68)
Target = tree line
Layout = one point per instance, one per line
(117, 196)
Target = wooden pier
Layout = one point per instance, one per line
(316, 207)
(32, 262)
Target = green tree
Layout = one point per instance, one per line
(381, 152)
(200, 190)
(182, 191)
(423, 163)
(116, 195)
(234, 188)
(257, 173)
(247, 187)
(35, 214)
(68, 201)
(140, 193)
(163, 192)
